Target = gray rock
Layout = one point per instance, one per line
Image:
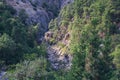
(59, 61)
(2, 74)
(40, 12)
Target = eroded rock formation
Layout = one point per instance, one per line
(40, 12)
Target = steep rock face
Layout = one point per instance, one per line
(57, 59)
(58, 47)
(38, 12)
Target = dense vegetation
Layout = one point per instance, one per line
(94, 26)
(17, 40)
(95, 43)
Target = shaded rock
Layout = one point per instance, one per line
(40, 12)
(57, 60)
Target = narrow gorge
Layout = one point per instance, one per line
(39, 13)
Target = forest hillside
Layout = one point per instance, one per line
(59, 39)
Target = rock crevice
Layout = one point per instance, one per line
(40, 12)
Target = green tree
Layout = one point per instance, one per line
(116, 61)
(7, 49)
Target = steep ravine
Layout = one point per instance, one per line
(40, 13)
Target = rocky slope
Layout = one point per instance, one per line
(40, 13)
(58, 48)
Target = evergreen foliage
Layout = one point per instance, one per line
(95, 42)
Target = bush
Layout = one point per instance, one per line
(30, 70)
(7, 49)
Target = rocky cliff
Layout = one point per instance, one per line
(40, 13)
